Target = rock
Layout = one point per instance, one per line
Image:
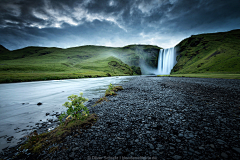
(71, 154)
(236, 149)
(10, 138)
(119, 153)
(171, 148)
(191, 150)
(75, 149)
(180, 135)
(221, 141)
(212, 145)
(177, 157)
(159, 146)
(224, 155)
(16, 128)
(123, 122)
(150, 145)
(197, 152)
(47, 114)
(201, 148)
(39, 103)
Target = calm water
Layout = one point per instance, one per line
(18, 102)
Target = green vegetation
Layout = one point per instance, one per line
(76, 109)
(136, 70)
(80, 119)
(205, 75)
(38, 142)
(3, 49)
(215, 55)
(43, 63)
(110, 91)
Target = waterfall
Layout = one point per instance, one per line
(166, 60)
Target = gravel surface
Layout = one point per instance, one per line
(161, 118)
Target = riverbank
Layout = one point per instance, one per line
(162, 118)
(205, 75)
(8, 77)
(21, 112)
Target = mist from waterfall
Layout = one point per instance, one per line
(166, 61)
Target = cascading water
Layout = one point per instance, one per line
(166, 60)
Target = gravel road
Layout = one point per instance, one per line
(161, 118)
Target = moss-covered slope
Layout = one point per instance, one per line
(209, 53)
(130, 54)
(42, 63)
(3, 49)
(138, 53)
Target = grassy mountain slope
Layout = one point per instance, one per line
(41, 63)
(3, 50)
(209, 53)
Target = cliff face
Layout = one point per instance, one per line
(209, 53)
(147, 53)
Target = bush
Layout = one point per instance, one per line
(76, 109)
(112, 89)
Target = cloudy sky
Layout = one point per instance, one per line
(116, 23)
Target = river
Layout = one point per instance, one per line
(19, 111)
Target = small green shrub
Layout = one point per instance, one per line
(110, 91)
(76, 109)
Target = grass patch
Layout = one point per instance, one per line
(209, 53)
(205, 75)
(8, 77)
(38, 142)
(110, 91)
(46, 63)
(101, 100)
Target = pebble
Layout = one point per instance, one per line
(162, 117)
(211, 145)
(177, 157)
(224, 155)
(236, 149)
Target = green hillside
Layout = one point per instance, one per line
(3, 50)
(209, 53)
(43, 63)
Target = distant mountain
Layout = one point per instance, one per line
(209, 53)
(3, 49)
(131, 54)
(40, 63)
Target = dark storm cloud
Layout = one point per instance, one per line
(208, 14)
(67, 23)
